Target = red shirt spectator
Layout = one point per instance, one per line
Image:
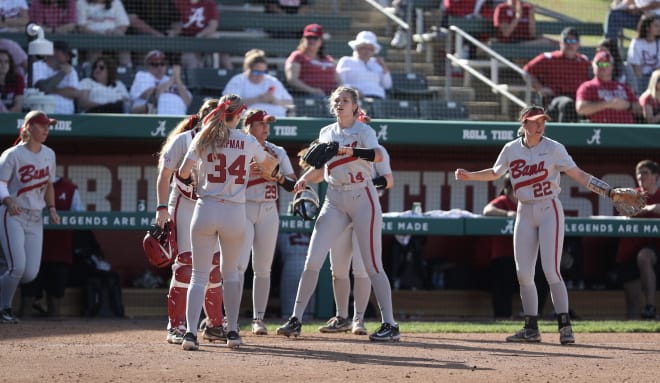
(58, 243)
(502, 245)
(630, 246)
(463, 8)
(309, 70)
(54, 15)
(505, 14)
(561, 74)
(196, 15)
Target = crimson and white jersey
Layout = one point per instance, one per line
(27, 174)
(534, 171)
(262, 190)
(173, 156)
(344, 170)
(222, 172)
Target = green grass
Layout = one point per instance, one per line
(492, 326)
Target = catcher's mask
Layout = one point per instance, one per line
(160, 245)
(306, 204)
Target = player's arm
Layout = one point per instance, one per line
(491, 210)
(368, 154)
(481, 175)
(185, 170)
(50, 202)
(162, 193)
(590, 182)
(385, 181)
(312, 175)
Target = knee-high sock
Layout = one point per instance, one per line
(530, 299)
(559, 297)
(342, 289)
(260, 292)
(361, 294)
(232, 298)
(306, 288)
(383, 293)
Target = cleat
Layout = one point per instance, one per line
(386, 333)
(233, 339)
(566, 335)
(525, 335)
(190, 342)
(336, 324)
(358, 327)
(259, 327)
(214, 333)
(175, 336)
(648, 312)
(8, 317)
(291, 327)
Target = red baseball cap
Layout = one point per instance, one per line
(258, 115)
(39, 117)
(154, 57)
(535, 113)
(313, 30)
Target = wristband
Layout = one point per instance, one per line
(365, 154)
(380, 182)
(599, 186)
(161, 206)
(288, 184)
(51, 207)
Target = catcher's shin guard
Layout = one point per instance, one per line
(213, 295)
(176, 299)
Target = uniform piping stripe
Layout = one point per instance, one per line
(31, 187)
(176, 210)
(256, 181)
(341, 161)
(371, 230)
(554, 209)
(10, 256)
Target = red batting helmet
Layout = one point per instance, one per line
(160, 245)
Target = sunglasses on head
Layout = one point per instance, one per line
(256, 72)
(158, 64)
(571, 41)
(603, 64)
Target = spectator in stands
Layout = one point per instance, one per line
(625, 14)
(604, 100)
(18, 55)
(365, 70)
(151, 17)
(257, 88)
(199, 19)
(468, 8)
(54, 16)
(282, 6)
(619, 71)
(515, 22)
(105, 18)
(650, 100)
(154, 92)
(503, 266)
(13, 16)
(644, 50)
(309, 71)
(12, 85)
(637, 257)
(557, 75)
(57, 256)
(102, 92)
(54, 75)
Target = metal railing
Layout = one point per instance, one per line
(457, 35)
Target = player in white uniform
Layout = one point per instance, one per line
(263, 219)
(535, 163)
(179, 209)
(27, 173)
(346, 252)
(351, 198)
(219, 159)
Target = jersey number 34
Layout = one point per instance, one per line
(236, 169)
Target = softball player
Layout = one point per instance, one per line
(535, 163)
(345, 252)
(220, 156)
(179, 209)
(263, 218)
(351, 198)
(27, 173)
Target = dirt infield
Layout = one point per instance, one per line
(77, 350)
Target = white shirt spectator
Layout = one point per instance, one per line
(63, 105)
(169, 103)
(97, 19)
(102, 94)
(10, 9)
(644, 53)
(368, 78)
(242, 86)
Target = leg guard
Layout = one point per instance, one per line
(176, 299)
(213, 295)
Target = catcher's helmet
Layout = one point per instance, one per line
(160, 245)
(306, 204)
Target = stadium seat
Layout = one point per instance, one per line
(125, 75)
(442, 110)
(197, 101)
(410, 86)
(209, 81)
(311, 107)
(396, 109)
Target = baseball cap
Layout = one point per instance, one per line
(63, 46)
(603, 56)
(154, 56)
(258, 115)
(534, 113)
(570, 32)
(313, 30)
(39, 117)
